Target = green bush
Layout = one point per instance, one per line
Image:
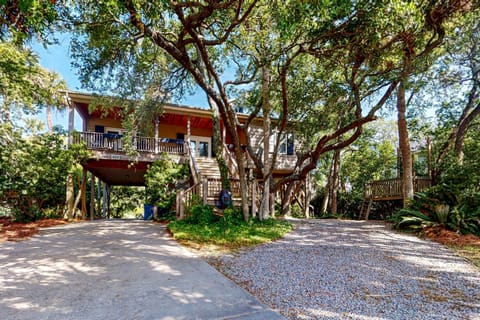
(440, 206)
(33, 173)
(200, 214)
(161, 179)
(464, 220)
(232, 216)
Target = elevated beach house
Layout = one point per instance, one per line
(185, 133)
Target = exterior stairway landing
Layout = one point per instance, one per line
(208, 167)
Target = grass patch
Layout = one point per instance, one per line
(470, 252)
(229, 235)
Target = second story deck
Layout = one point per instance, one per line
(112, 146)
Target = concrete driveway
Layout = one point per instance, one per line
(115, 270)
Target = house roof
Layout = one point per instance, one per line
(81, 102)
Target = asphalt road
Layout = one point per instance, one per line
(115, 270)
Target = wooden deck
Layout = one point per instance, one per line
(113, 143)
(391, 189)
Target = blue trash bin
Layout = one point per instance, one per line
(147, 212)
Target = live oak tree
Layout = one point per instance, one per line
(415, 55)
(325, 67)
(458, 77)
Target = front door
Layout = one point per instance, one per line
(201, 146)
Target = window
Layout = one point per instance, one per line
(286, 143)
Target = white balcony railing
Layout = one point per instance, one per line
(115, 142)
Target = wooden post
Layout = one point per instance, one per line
(99, 197)
(177, 203)
(205, 191)
(84, 193)
(71, 121)
(254, 198)
(156, 134)
(181, 205)
(104, 204)
(188, 130)
(108, 201)
(92, 197)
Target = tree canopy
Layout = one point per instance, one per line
(329, 67)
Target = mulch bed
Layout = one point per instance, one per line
(17, 231)
(451, 238)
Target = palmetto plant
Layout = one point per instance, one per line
(442, 211)
(411, 219)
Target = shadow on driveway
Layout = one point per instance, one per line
(115, 270)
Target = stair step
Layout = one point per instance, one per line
(208, 167)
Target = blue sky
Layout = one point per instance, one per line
(57, 58)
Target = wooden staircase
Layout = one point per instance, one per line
(208, 167)
(365, 210)
(208, 185)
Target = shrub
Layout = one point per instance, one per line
(161, 179)
(200, 214)
(440, 206)
(232, 216)
(464, 220)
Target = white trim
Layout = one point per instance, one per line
(197, 140)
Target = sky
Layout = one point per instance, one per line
(57, 58)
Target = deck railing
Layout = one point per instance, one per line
(208, 191)
(390, 189)
(114, 142)
(214, 187)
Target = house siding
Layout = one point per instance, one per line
(284, 161)
(105, 122)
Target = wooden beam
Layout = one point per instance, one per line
(84, 193)
(92, 196)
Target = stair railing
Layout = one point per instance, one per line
(186, 198)
(193, 164)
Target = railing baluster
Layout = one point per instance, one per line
(100, 140)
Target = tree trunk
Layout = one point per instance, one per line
(335, 181)
(461, 132)
(404, 144)
(287, 200)
(328, 186)
(243, 184)
(218, 144)
(265, 204)
(48, 113)
(70, 197)
(77, 201)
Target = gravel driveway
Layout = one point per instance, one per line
(333, 269)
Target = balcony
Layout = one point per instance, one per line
(111, 146)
